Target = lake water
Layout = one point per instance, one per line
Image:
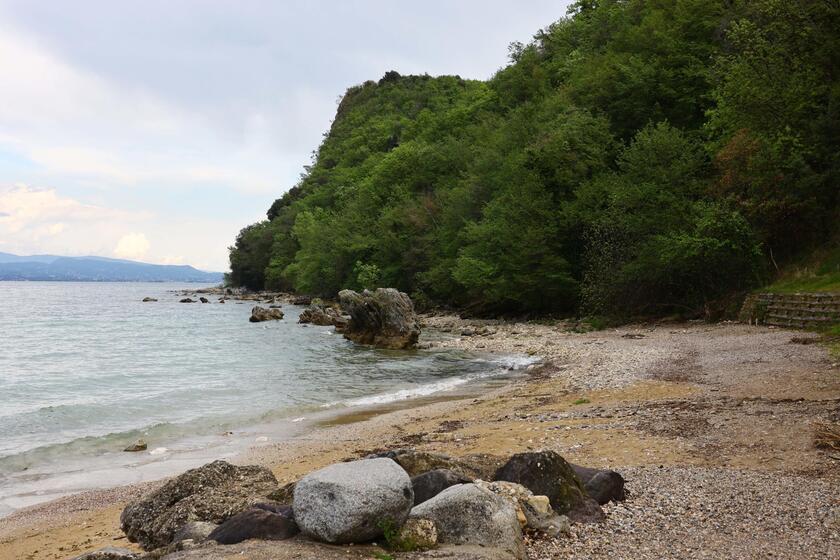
(87, 368)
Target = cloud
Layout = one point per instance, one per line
(132, 246)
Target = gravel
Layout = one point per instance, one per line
(676, 512)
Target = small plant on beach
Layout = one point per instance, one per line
(582, 400)
(393, 541)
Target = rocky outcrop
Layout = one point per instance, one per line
(546, 473)
(383, 318)
(260, 314)
(321, 315)
(603, 486)
(300, 300)
(213, 493)
(349, 502)
(263, 521)
(468, 514)
(429, 484)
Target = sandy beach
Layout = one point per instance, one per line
(711, 425)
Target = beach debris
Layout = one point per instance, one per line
(469, 514)
(383, 318)
(267, 521)
(429, 484)
(348, 502)
(148, 299)
(546, 473)
(260, 314)
(139, 445)
(213, 493)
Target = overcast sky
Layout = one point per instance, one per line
(155, 130)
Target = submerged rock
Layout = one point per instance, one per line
(468, 514)
(187, 300)
(546, 473)
(271, 523)
(139, 445)
(384, 318)
(203, 299)
(213, 493)
(260, 314)
(148, 299)
(350, 502)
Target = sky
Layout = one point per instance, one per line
(155, 130)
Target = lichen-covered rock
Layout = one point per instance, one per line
(383, 318)
(260, 314)
(546, 473)
(430, 484)
(263, 521)
(418, 534)
(602, 485)
(350, 502)
(213, 493)
(468, 514)
(533, 512)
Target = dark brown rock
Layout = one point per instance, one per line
(263, 521)
(430, 484)
(383, 318)
(602, 485)
(548, 474)
(260, 314)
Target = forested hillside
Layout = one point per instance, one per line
(638, 157)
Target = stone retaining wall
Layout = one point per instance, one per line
(792, 310)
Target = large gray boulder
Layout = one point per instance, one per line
(352, 502)
(213, 493)
(546, 473)
(469, 515)
(383, 318)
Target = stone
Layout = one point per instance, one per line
(546, 473)
(273, 523)
(602, 485)
(320, 315)
(431, 483)
(187, 300)
(213, 493)
(301, 300)
(418, 534)
(203, 299)
(468, 514)
(384, 318)
(139, 445)
(109, 553)
(284, 494)
(148, 299)
(533, 512)
(260, 314)
(195, 531)
(350, 502)
(418, 462)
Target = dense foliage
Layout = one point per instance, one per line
(636, 157)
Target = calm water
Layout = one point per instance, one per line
(87, 368)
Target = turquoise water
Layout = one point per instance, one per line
(87, 368)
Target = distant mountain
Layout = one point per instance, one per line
(97, 269)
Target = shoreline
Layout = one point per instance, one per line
(665, 404)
